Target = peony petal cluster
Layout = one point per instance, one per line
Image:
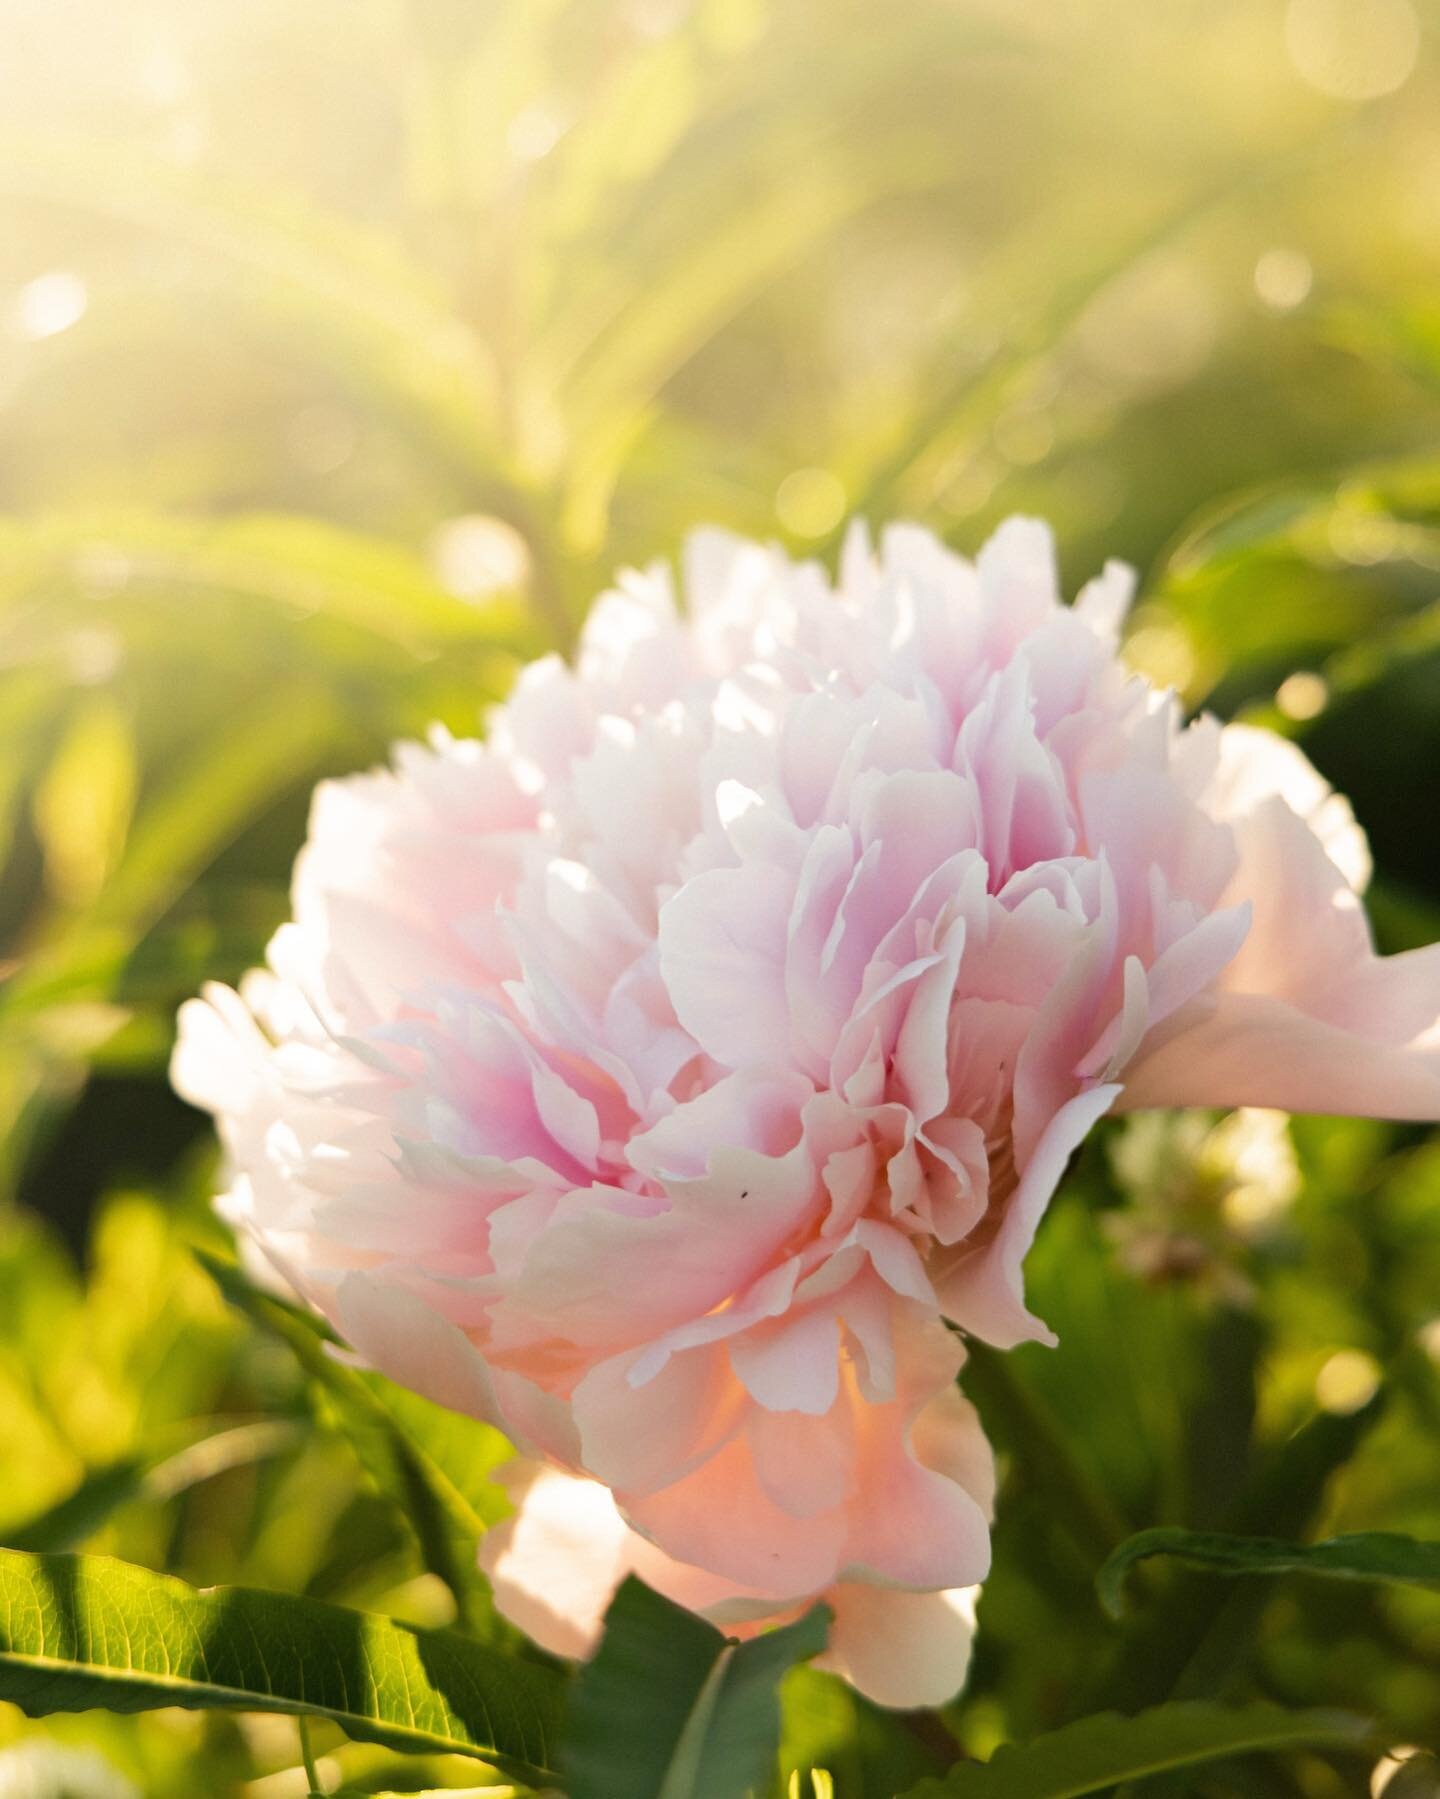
(676, 1077)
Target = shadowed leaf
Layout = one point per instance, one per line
(1367, 1555)
(671, 1709)
(1096, 1753)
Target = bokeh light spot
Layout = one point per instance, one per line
(477, 556)
(1347, 1381)
(533, 134)
(1353, 49)
(50, 304)
(1283, 279)
(1161, 651)
(1302, 695)
(810, 502)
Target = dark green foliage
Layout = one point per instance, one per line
(1098, 1753)
(1368, 1555)
(671, 1709)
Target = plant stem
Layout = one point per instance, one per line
(307, 1759)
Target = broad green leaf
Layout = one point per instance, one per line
(1366, 1555)
(671, 1709)
(1402, 334)
(28, 699)
(1097, 1753)
(78, 1632)
(1243, 524)
(433, 1465)
(955, 399)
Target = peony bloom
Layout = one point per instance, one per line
(661, 1077)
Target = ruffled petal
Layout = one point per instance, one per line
(1307, 1017)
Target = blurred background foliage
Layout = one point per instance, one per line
(346, 348)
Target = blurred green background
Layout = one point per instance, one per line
(347, 347)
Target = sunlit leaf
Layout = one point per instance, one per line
(84, 803)
(870, 1752)
(73, 1520)
(83, 1631)
(300, 566)
(378, 318)
(193, 816)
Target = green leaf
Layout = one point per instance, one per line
(296, 566)
(1365, 1555)
(1193, 1643)
(1097, 1753)
(671, 1709)
(1322, 552)
(348, 294)
(869, 1752)
(78, 1632)
(83, 806)
(81, 1512)
(68, 1523)
(174, 836)
(433, 1465)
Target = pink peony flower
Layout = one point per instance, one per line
(659, 1078)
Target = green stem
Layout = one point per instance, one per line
(307, 1759)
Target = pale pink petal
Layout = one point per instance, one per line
(982, 1291)
(722, 953)
(1253, 765)
(721, 1518)
(1308, 1018)
(644, 1436)
(903, 1650)
(614, 1268)
(1104, 602)
(791, 1366)
(555, 1564)
(912, 1523)
(396, 1332)
(805, 1464)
